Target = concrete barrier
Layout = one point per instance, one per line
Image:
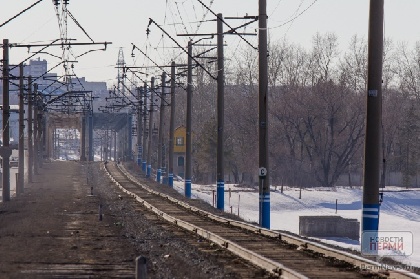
(329, 226)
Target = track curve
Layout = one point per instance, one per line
(282, 255)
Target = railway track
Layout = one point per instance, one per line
(282, 255)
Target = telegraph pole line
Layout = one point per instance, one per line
(370, 215)
(21, 166)
(188, 143)
(161, 123)
(220, 114)
(264, 181)
(172, 129)
(6, 151)
(150, 134)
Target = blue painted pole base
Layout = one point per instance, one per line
(221, 195)
(265, 210)
(158, 175)
(171, 180)
(144, 166)
(370, 226)
(188, 188)
(149, 171)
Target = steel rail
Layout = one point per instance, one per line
(267, 264)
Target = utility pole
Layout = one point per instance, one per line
(30, 133)
(150, 134)
(21, 166)
(220, 114)
(264, 181)
(161, 123)
(370, 215)
(139, 127)
(6, 151)
(172, 129)
(144, 157)
(188, 143)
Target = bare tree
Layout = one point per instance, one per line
(353, 66)
(324, 53)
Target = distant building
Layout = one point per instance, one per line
(97, 87)
(37, 68)
(49, 83)
(179, 151)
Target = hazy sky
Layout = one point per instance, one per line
(123, 22)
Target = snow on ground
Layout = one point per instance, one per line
(400, 209)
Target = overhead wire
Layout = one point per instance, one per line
(295, 17)
(183, 49)
(224, 22)
(275, 9)
(23, 11)
(78, 24)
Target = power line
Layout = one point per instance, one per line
(31, 6)
(292, 19)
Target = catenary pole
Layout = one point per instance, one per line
(90, 134)
(39, 118)
(139, 124)
(264, 181)
(220, 115)
(172, 129)
(5, 149)
(21, 166)
(35, 121)
(370, 214)
(30, 132)
(150, 134)
(188, 143)
(115, 145)
(161, 132)
(144, 156)
(83, 139)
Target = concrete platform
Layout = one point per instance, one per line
(329, 226)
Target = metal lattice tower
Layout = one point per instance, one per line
(62, 13)
(121, 72)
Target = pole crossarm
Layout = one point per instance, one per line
(232, 29)
(66, 94)
(58, 44)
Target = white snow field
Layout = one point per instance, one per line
(400, 209)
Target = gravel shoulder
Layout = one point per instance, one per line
(53, 231)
